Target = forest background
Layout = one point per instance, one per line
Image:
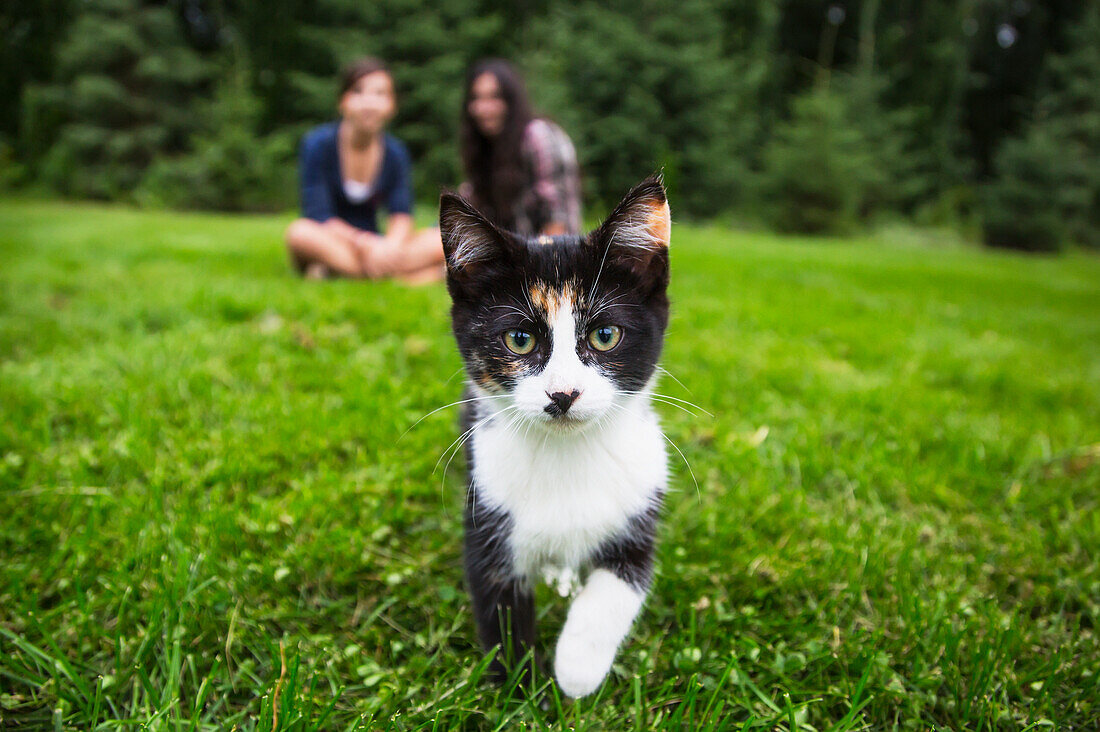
(983, 115)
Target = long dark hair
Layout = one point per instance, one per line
(494, 166)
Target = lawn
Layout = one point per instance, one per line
(218, 508)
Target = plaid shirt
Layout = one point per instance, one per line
(552, 190)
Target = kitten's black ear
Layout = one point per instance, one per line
(470, 241)
(635, 236)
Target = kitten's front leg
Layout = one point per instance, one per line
(603, 612)
(503, 604)
(598, 621)
(505, 617)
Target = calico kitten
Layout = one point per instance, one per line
(567, 464)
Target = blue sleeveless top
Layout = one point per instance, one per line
(322, 186)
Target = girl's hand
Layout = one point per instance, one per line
(379, 256)
(366, 245)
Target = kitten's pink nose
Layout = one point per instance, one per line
(560, 402)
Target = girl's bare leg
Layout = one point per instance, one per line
(310, 242)
(413, 260)
(427, 275)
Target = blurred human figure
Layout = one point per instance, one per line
(348, 170)
(521, 170)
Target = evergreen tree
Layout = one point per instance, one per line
(1047, 185)
(123, 93)
(1070, 108)
(923, 54)
(230, 166)
(30, 30)
(817, 168)
(890, 179)
(1023, 208)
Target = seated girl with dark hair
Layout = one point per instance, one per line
(348, 170)
(521, 169)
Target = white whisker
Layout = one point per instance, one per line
(681, 407)
(596, 284)
(461, 441)
(668, 397)
(513, 308)
(452, 404)
(663, 370)
(465, 435)
(698, 493)
(527, 295)
(604, 303)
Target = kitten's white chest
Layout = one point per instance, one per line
(569, 493)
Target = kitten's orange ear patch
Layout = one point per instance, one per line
(637, 233)
(659, 222)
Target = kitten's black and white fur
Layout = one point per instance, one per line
(567, 465)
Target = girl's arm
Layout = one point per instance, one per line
(399, 227)
(412, 253)
(317, 203)
(342, 228)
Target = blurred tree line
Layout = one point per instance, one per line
(814, 116)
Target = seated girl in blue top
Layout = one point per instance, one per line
(348, 170)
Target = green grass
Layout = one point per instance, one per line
(214, 513)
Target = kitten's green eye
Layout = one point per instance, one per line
(605, 337)
(519, 342)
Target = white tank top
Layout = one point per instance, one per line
(356, 191)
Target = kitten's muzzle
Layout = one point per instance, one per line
(560, 402)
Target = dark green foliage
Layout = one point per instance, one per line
(892, 178)
(1070, 109)
(1047, 187)
(817, 168)
(904, 96)
(12, 172)
(230, 167)
(30, 33)
(1025, 206)
(125, 91)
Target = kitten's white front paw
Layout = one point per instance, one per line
(597, 623)
(581, 664)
